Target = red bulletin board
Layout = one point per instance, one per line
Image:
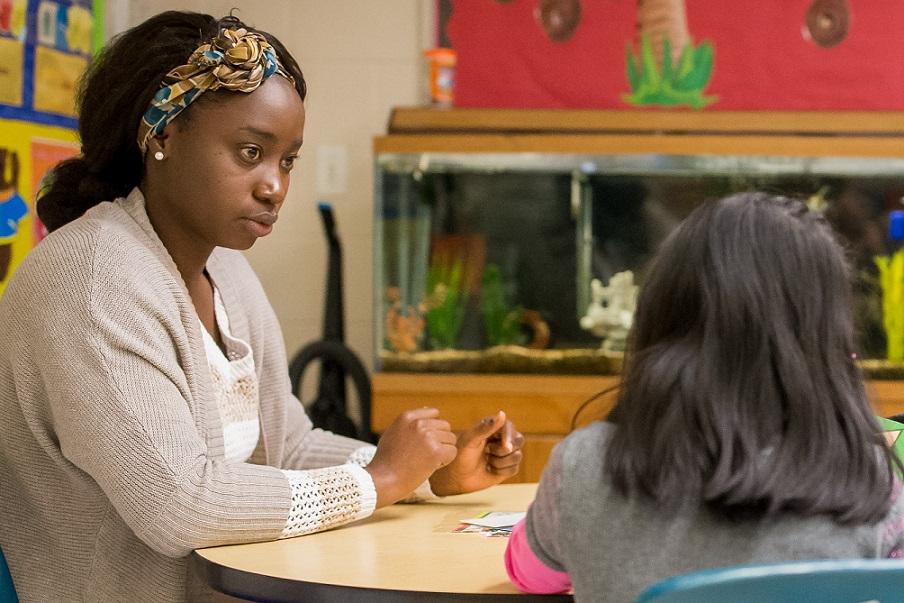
(762, 57)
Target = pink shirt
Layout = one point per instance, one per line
(527, 572)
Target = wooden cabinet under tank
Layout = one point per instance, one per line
(492, 224)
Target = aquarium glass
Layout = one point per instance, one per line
(484, 262)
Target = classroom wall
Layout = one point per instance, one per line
(360, 59)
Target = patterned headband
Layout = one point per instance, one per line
(236, 60)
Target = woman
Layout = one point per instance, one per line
(145, 405)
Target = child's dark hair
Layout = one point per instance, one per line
(114, 94)
(740, 386)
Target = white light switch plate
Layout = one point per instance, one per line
(332, 169)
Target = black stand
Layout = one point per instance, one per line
(328, 411)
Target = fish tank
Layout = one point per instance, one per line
(530, 262)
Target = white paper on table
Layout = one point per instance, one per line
(496, 519)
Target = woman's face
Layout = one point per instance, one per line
(227, 167)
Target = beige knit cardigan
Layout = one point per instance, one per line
(111, 448)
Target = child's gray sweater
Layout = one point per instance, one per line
(613, 547)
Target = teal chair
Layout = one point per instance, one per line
(835, 581)
(7, 591)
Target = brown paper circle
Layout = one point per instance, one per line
(559, 18)
(827, 22)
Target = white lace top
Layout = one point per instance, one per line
(321, 498)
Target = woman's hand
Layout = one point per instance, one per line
(410, 450)
(488, 453)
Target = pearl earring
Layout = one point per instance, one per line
(158, 155)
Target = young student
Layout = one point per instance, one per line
(742, 432)
(145, 405)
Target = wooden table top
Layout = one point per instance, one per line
(400, 553)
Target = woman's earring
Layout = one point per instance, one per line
(158, 155)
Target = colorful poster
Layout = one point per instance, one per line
(45, 46)
(705, 54)
(61, 55)
(27, 152)
(56, 79)
(44, 155)
(12, 56)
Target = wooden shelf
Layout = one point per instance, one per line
(596, 144)
(887, 397)
(544, 407)
(541, 404)
(423, 120)
(788, 133)
(538, 404)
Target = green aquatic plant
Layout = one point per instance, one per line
(501, 321)
(446, 302)
(891, 280)
(681, 83)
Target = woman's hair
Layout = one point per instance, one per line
(740, 385)
(114, 94)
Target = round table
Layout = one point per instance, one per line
(401, 553)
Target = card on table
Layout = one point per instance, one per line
(495, 520)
